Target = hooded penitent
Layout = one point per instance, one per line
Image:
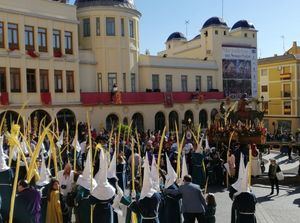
(112, 173)
(184, 170)
(147, 189)
(60, 140)
(85, 178)
(171, 176)
(199, 147)
(44, 174)
(207, 148)
(76, 144)
(104, 190)
(3, 165)
(241, 185)
(154, 174)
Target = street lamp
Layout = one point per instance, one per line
(262, 102)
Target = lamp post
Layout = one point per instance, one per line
(262, 102)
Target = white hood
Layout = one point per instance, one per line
(207, 144)
(60, 140)
(44, 174)
(112, 172)
(76, 144)
(155, 175)
(184, 170)
(104, 190)
(171, 176)
(199, 147)
(241, 185)
(84, 179)
(3, 165)
(147, 189)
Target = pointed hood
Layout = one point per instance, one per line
(104, 190)
(24, 147)
(154, 174)
(3, 165)
(199, 147)
(84, 179)
(206, 144)
(184, 171)
(76, 144)
(242, 174)
(44, 174)
(147, 189)
(60, 140)
(112, 172)
(171, 176)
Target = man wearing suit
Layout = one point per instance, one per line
(193, 202)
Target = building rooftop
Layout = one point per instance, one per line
(243, 24)
(214, 21)
(176, 35)
(120, 3)
(277, 58)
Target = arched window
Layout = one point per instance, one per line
(188, 115)
(65, 116)
(160, 121)
(213, 114)
(111, 120)
(203, 118)
(138, 122)
(173, 118)
(10, 117)
(36, 117)
(125, 121)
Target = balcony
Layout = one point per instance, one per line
(135, 98)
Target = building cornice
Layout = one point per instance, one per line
(109, 8)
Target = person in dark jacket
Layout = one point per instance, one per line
(210, 209)
(273, 169)
(27, 204)
(244, 205)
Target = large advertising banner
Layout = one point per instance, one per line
(239, 66)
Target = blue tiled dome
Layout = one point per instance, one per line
(244, 24)
(176, 35)
(214, 21)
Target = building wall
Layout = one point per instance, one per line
(49, 15)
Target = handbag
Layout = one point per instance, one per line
(280, 175)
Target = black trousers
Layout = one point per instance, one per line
(191, 217)
(274, 182)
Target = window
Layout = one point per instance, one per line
(287, 108)
(112, 79)
(86, 27)
(216, 32)
(99, 77)
(58, 81)
(169, 83)
(133, 89)
(245, 35)
(56, 40)
(225, 33)
(286, 70)
(98, 30)
(30, 77)
(286, 90)
(110, 26)
(264, 88)
(263, 72)
(68, 42)
(2, 79)
(184, 83)
(29, 38)
(70, 81)
(1, 35)
(198, 83)
(13, 36)
(253, 35)
(44, 81)
(209, 83)
(42, 39)
(131, 28)
(155, 82)
(122, 27)
(15, 80)
(124, 82)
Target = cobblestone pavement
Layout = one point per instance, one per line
(284, 208)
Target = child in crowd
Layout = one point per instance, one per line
(211, 208)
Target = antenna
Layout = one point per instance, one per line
(283, 45)
(187, 22)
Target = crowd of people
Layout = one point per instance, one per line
(146, 176)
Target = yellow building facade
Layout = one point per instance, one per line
(86, 58)
(279, 91)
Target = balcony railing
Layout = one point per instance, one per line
(134, 98)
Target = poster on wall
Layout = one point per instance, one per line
(239, 68)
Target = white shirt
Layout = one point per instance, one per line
(65, 180)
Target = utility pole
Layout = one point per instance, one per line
(222, 9)
(187, 22)
(283, 45)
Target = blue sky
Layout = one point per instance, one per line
(272, 18)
